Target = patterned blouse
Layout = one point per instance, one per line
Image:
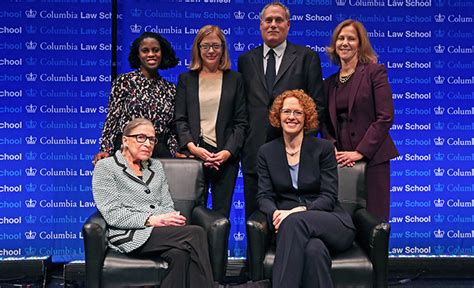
(133, 96)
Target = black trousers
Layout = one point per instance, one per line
(185, 248)
(221, 183)
(250, 193)
(304, 242)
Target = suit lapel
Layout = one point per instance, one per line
(120, 161)
(194, 99)
(283, 163)
(222, 108)
(147, 172)
(257, 59)
(332, 102)
(355, 84)
(288, 58)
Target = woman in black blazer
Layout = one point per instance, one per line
(297, 190)
(210, 115)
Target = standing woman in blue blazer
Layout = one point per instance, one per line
(297, 190)
(210, 115)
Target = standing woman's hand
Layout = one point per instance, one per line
(99, 156)
(348, 158)
(199, 152)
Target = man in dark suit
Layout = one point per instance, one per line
(269, 70)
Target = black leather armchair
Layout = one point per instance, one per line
(108, 268)
(364, 264)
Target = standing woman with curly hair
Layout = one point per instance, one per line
(143, 93)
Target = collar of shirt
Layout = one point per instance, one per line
(279, 50)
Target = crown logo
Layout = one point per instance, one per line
(438, 110)
(31, 124)
(30, 187)
(340, 17)
(439, 79)
(30, 29)
(239, 220)
(31, 140)
(31, 77)
(135, 28)
(439, 33)
(239, 204)
(438, 233)
(238, 252)
(439, 125)
(31, 92)
(438, 249)
(31, 171)
(30, 251)
(239, 30)
(31, 61)
(31, 13)
(30, 235)
(239, 15)
(136, 12)
(31, 108)
(341, 2)
(30, 219)
(30, 203)
(439, 218)
(439, 18)
(439, 3)
(439, 48)
(439, 156)
(438, 187)
(31, 45)
(239, 46)
(439, 64)
(438, 172)
(439, 203)
(439, 95)
(239, 236)
(31, 155)
(439, 141)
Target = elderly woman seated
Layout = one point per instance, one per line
(131, 192)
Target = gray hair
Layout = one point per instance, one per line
(134, 124)
(276, 3)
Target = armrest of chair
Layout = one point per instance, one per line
(258, 236)
(373, 236)
(217, 227)
(95, 244)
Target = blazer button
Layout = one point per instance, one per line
(152, 206)
(353, 134)
(147, 191)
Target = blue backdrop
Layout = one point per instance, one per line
(55, 59)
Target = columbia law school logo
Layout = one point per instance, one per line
(30, 203)
(30, 235)
(135, 28)
(31, 13)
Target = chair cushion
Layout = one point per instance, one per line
(121, 269)
(350, 268)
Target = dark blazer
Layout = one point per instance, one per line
(231, 121)
(300, 69)
(370, 113)
(317, 179)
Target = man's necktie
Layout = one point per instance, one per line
(270, 75)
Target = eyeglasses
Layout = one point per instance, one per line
(141, 138)
(288, 112)
(214, 46)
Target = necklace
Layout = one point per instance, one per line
(292, 153)
(344, 79)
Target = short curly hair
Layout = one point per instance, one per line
(168, 55)
(309, 108)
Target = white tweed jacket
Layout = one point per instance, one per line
(126, 201)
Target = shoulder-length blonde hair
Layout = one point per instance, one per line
(366, 52)
(196, 61)
(309, 108)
